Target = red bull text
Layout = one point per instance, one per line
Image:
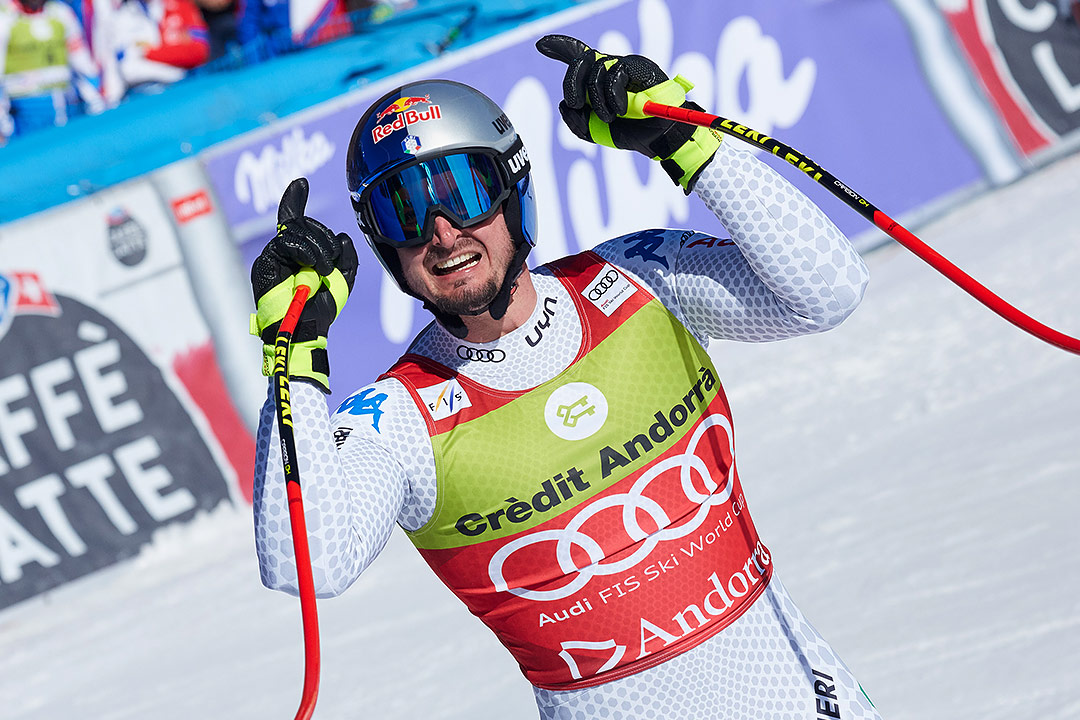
(404, 115)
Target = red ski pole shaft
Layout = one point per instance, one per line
(862, 206)
(305, 581)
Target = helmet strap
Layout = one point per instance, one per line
(453, 323)
(522, 248)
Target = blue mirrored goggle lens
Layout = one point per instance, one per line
(465, 185)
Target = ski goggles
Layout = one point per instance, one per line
(400, 209)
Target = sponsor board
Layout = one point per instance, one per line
(191, 206)
(776, 70)
(1027, 59)
(114, 420)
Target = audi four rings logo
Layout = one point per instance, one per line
(480, 354)
(602, 285)
(630, 504)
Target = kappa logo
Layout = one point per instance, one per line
(366, 402)
(645, 245)
(576, 411)
(609, 290)
(341, 435)
(445, 399)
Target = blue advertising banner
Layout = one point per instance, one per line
(839, 81)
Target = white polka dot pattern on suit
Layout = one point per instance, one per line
(762, 667)
(540, 349)
(786, 271)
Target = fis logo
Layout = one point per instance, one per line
(403, 115)
(23, 293)
(411, 144)
(445, 399)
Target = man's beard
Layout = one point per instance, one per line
(471, 302)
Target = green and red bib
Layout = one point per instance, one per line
(596, 522)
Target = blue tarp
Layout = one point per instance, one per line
(52, 166)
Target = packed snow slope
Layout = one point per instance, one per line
(916, 473)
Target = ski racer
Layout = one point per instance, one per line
(46, 71)
(558, 444)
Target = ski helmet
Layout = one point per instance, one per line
(439, 147)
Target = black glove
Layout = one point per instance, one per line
(301, 243)
(602, 100)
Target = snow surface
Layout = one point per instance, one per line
(915, 473)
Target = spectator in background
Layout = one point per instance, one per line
(262, 28)
(383, 10)
(144, 45)
(46, 71)
(220, 18)
(266, 28)
(1070, 9)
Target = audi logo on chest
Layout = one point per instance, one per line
(609, 289)
(480, 354)
(603, 284)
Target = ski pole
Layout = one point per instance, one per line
(304, 580)
(862, 206)
(454, 32)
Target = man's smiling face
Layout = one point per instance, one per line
(461, 270)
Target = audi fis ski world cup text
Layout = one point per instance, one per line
(718, 598)
(609, 290)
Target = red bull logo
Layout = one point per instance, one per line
(403, 115)
(401, 105)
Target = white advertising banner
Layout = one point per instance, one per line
(114, 419)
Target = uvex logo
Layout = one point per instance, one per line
(518, 162)
(501, 123)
